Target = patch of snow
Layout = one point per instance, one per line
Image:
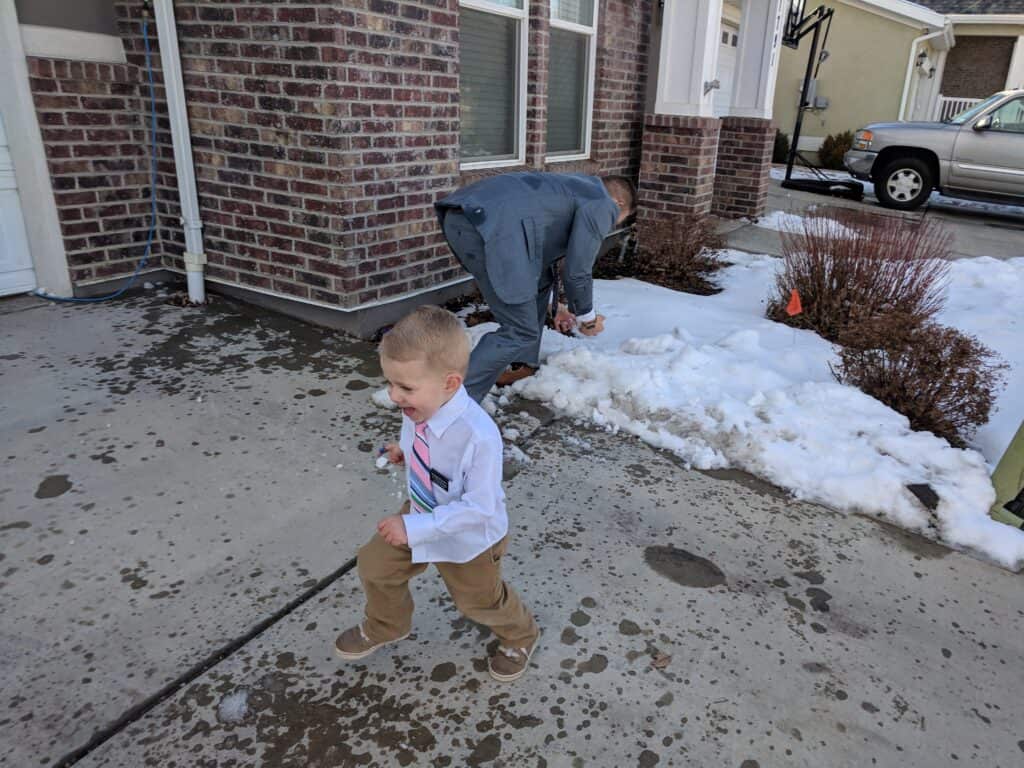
(382, 461)
(984, 300)
(516, 454)
(510, 433)
(234, 707)
(783, 221)
(718, 384)
(148, 286)
(382, 399)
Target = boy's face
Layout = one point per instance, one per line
(418, 389)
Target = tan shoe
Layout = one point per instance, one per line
(352, 644)
(508, 664)
(514, 373)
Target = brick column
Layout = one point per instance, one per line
(677, 166)
(742, 172)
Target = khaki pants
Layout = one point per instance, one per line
(476, 587)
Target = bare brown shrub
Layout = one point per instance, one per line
(677, 254)
(944, 381)
(850, 266)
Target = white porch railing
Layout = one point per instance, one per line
(949, 106)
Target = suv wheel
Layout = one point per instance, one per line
(904, 184)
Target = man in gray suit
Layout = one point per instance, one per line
(510, 231)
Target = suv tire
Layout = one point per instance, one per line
(904, 183)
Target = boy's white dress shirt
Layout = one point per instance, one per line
(470, 517)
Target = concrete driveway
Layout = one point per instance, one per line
(975, 232)
(182, 489)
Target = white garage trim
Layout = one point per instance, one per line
(38, 206)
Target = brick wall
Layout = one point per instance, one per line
(624, 29)
(742, 166)
(677, 169)
(95, 136)
(977, 66)
(322, 132)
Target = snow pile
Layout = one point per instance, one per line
(984, 300)
(792, 222)
(715, 382)
(234, 706)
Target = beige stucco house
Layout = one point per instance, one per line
(896, 60)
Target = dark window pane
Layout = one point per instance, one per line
(567, 91)
(488, 64)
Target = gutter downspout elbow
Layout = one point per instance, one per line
(181, 138)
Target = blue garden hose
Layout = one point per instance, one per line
(152, 197)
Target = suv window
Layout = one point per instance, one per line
(977, 109)
(1009, 118)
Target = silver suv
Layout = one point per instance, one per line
(977, 155)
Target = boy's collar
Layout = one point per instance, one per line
(449, 412)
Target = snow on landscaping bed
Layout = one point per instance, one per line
(718, 384)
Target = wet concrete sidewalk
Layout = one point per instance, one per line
(174, 477)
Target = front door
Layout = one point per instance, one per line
(726, 69)
(992, 160)
(16, 273)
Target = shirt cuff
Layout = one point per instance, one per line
(419, 528)
(587, 318)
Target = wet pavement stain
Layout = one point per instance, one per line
(20, 525)
(819, 599)
(684, 568)
(485, 751)
(811, 577)
(580, 618)
(628, 627)
(595, 664)
(442, 673)
(53, 486)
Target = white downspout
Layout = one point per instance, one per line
(170, 59)
(910, 67)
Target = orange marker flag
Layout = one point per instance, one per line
(794, 307)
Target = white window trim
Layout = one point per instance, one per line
(588, 124)
(56, 43)
(523, 14)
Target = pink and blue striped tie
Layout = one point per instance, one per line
(421, 490)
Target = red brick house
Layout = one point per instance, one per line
(321, 132)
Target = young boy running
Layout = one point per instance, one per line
(455, 517)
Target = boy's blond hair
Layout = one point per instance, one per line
(431, 334)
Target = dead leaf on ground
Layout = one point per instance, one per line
(661, 660)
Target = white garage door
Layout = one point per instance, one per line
(16, 273)
(726, 68)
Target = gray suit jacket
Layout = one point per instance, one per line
(530, 220)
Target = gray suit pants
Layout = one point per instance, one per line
(518, 338)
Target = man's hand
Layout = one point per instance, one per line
(395, 455)
(565, 320)
(594, 327)
(392, 530)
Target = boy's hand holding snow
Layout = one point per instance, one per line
(394, 453)
(392, 530)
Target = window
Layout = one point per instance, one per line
(1009, 118)
(492, 65)
(572, 54)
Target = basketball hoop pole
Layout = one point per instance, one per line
(798, 26)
